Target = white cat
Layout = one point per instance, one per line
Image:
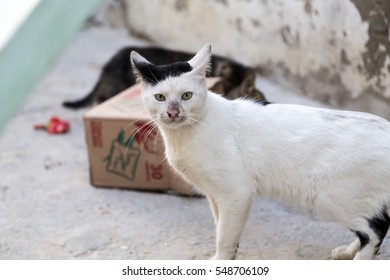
(335, 163)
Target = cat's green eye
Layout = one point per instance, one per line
(159, 97)
(186, 96)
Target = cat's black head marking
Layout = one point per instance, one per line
(153, 74)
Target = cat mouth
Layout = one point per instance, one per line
(176, 122)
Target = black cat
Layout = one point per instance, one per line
(236, 81)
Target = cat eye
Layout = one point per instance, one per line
(187, 95)
(159, 97)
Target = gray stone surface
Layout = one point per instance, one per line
(48, 209)
(337, 52)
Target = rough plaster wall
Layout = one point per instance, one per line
(111, 13)
(337, 51)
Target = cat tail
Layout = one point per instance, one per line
(83, 102)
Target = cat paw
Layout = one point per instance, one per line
(220, 256)
(342, 253)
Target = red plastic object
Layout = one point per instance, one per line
(54, 126)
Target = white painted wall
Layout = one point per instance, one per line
(12, 14)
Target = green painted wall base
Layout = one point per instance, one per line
(34, 46)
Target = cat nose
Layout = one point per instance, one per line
(173, 113)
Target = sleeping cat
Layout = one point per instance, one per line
(232, 150)
(236, 79)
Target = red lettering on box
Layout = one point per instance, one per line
(154, 171)
(96, 132)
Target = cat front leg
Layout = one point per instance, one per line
(214, 209)
(233, 212)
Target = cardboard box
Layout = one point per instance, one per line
(125, 150)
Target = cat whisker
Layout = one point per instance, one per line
(141, 127)
(130, 124)
(151, 72)
(151, 129)
(137, 130)
(198, 123)
(194, 129)
(150, 80)
(156, 142)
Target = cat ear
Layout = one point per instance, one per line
(200, 63)
(139, 63)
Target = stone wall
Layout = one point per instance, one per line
(336, 51)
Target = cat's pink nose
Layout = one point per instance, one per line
(173, 114)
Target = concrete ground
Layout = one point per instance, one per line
(49, 210)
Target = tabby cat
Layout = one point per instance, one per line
(237, 80)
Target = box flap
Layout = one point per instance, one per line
(125, 105)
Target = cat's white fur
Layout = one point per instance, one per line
(335, 163)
